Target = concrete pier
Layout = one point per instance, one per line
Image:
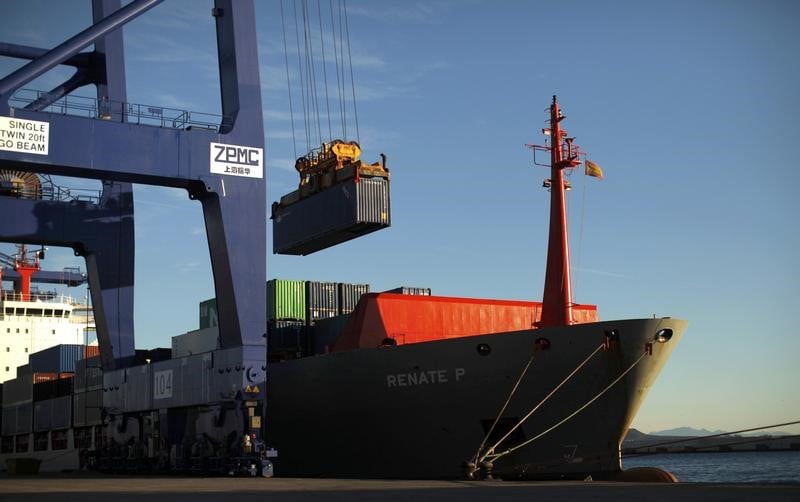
(94, 488)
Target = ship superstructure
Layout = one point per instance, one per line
(32, 319)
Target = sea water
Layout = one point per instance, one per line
(729, 467)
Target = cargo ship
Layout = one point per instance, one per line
(399, 384)
(439, 387)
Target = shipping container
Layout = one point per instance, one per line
(325, 332)
(87, 408)
(88, 374)
(349, 295)
(42, 415)
(46, 377)
(8, 420)
(52, 414)
(406, 290)
(286, 299)
(137, 389)
(17, 419)
(347, 210)
(57, 359)
(62, 412)
(322, 300)
(51, 389)
(186, 381)
(195, 342)
(18, 390)
(287, 340)
(23, 370)
(208, 314)
(397, 319)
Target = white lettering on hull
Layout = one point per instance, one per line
(425, 377)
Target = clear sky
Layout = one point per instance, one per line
(690, 107)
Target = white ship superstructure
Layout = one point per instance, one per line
(41, 322)
(32, 320)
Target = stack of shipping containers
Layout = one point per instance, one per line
(87, 402)
(327, 329)
(286, 319)
(17, 413)
(305, 317)
(40, 399)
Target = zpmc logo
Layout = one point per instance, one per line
(236, 160)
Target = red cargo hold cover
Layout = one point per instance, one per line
(414, 319)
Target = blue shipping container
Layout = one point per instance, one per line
(337, 214)
(57, 359)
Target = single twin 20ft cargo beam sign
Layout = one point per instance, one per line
(236, 160)
(26, 136)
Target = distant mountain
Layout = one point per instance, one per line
(692, 432)
(686, 432)
(635, 435)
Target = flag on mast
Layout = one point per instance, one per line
(593, 169)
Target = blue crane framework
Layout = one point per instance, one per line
(118, 151)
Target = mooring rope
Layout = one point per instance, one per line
(595, 398)
(523, 419)
(505, 405)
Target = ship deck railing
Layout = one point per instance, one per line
(121, 111)
(47, 298)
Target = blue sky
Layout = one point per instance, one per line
(690, 108)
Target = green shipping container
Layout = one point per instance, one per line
(286, 300)
(208, 314)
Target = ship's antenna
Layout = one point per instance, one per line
(564, 154)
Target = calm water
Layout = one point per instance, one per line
(732, 467)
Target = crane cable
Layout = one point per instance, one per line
(311, 70)
(338, 58)
(288, 80)
(324, 68)
(350, 61)
(308, 71)
(302, 81)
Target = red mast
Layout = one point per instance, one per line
(26, 269)
(557, 300)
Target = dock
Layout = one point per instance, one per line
(82, 487)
